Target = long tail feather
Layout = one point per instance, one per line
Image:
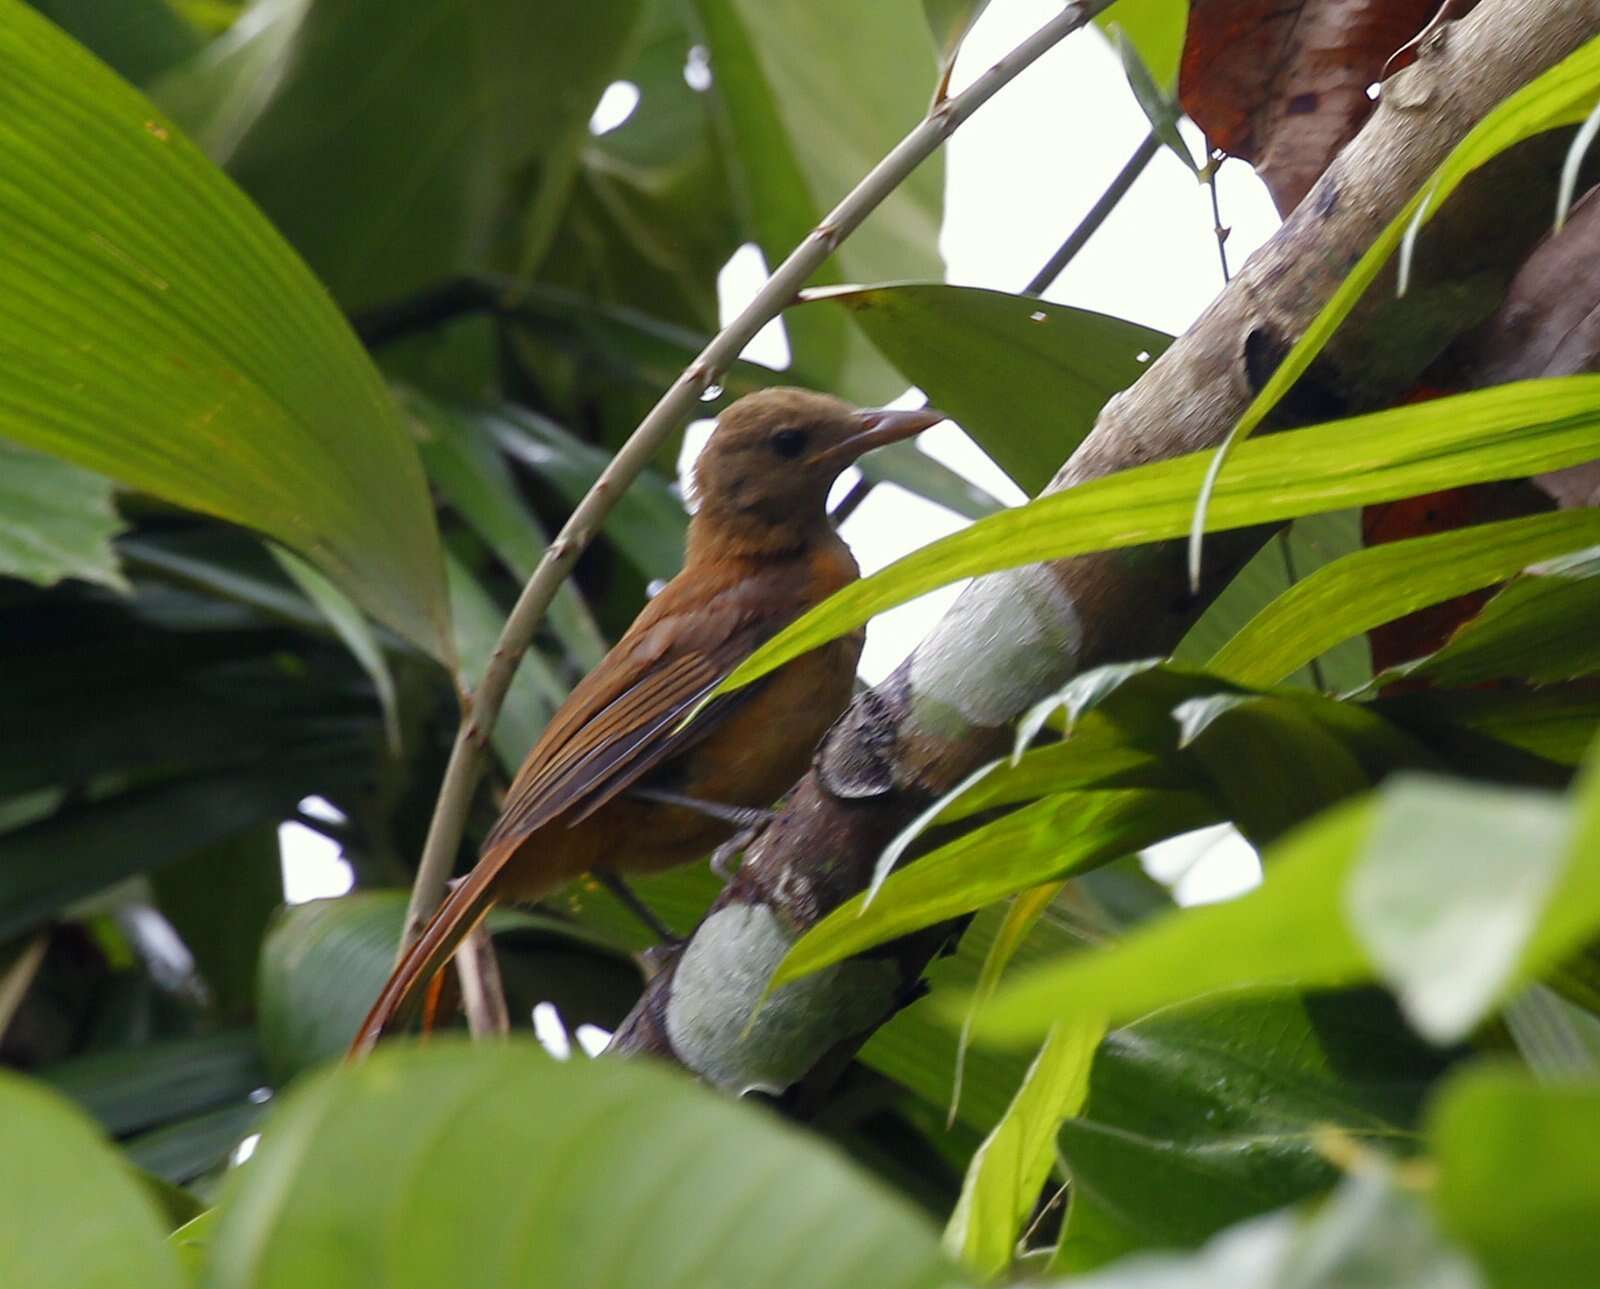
(465, 906)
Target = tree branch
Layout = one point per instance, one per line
(480, 710)
(1015, 637)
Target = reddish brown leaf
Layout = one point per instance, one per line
(1283, 83)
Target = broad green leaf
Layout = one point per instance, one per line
(59, 521)
(354, 630)
(1298, 551)
(1202, 1118)
(192, 1242)
(1449, 890)
(1023, 377)
(1540, 628)
(1287, 933)
(1561, 96)
(1491, 1126)
(398, 143)
(499, 1166)
(908, 466)
(159, 331)
(1506, 432)
(1002, 1184)
(1374, 586)
(74, 1216)
(1039, 843)
(133, 1088)
(1155, 28)
(813, 93)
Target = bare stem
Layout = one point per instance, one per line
(466, 757)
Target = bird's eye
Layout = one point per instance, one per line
(789, 443)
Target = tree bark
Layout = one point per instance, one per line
(1015, 637)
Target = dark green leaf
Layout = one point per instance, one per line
(132, 1088)
(138, 38)
(1023, 377)
(45, 866)
(219, 901)
(396, 144)
(1543, 627)
(184, 1151)
(1200, 1119)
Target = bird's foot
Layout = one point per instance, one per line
(744, 817)
(726, 858)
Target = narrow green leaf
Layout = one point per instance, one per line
(469, 470)
(1506, 432)
(47, 865)
(1001, 1188)
(1037, 844)
(950, 21)
(498, 1166)
(1370, 587)
(74, 1216)
(128, 1089)
(908, 466)
(1493, 1125)
(59, 521)
(536, 691)
(1156, 28)
(799, 144)
(1285, 933)
(1025, 378)
(157, 330)
(1558, 1039)
(1298, 551)
(354, 630)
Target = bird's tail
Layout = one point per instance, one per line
(463, 909)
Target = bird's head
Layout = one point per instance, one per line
(766, 470)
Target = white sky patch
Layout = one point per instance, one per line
(592, 1039)
(1204, 866)
(314, 867)
(741, 277)
(616, 105)
(551, 1032)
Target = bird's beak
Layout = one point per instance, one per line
(880, 426)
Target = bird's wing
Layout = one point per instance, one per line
(624, 719)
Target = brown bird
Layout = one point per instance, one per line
(614, 785)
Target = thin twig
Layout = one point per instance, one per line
(18, 978)
(466, 757)
(483, 995)
(1216, 216)
(1089, 225)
